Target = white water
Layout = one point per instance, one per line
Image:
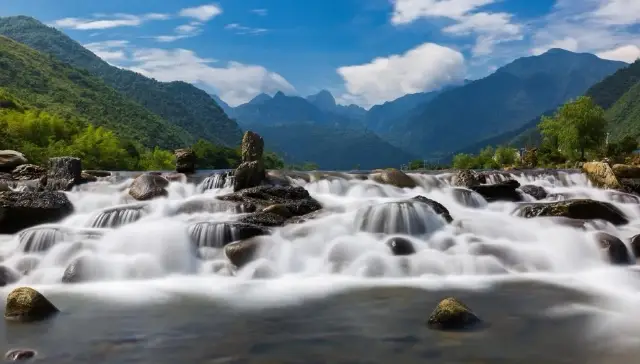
(151, 257)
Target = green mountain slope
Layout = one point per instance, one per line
(624, 115)
(611, 89)
(48, 84)
(179, 103)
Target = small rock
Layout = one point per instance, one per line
(394, 177)
(278, 209)
(148, 186)
(537, 192)
(19, 354)
(28, 171)
(10, 159)
(243, 252)
(400, 246)
(465, 178)
(26, 304)
(87, 178)
(451, 314)
(614, 247)
(580, 209)
(503, 191)
(185, 161)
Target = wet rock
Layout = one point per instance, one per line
(583, 209)
(249, 174)
(20, 210)
(252, 147)
(87, 178)
(435, 206)
(65, 168)
(28, 171)
(537, 192)
(26, 304)
(83, 269)
(19, 354)
(296, 199)
(468, 197)
(626, 171)
(601, 175)
(10, 159)
(243, 252)
(503, 191)
(451, 314)
(217, 180)
(465, 178)
(278, 209)
(99, 174)
(394, 177)
(265, 219)
(8, 276)
(635, 245)
(148, 186)
(185, 161)
(614, 248)
(276, 178)
(219, 234)
(400, 246)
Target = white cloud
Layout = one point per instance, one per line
(628, 53)
(568, 43)
(102, 21)
(619, 12)
(261, 12)
(202, 13)
(424, 68)
(110, 51)
(181, 32)
(408, 11)
(241, 29)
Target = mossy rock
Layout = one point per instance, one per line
(26, 304)
(451, 314)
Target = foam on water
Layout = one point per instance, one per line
(145, 252)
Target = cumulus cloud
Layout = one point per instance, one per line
(201, 13)
(408, 11)
(101, 21)
(628, 53)
(110, 51)
(424, 68)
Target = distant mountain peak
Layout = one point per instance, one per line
(260, 99)
(279, 94)
(324, 100)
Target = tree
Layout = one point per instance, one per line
(506, 156)
(577, 126)
(464, 161)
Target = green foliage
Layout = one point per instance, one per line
(624, 115)
(607, 92)
(577, 127)
(212, 156)
(307, 166)
(486, 159)
(506, 156)
(157, 160)
(465, 161)
(621, 149)
(273, 161)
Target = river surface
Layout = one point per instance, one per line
(544, 290)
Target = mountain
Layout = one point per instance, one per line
(624, 115)
(179, 103)
(325, 101)
(225, 107)
(381, 118)
(48, 84)
(501, 102)
(611, 89)
(331, 147)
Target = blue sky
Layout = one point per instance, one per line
(364, 51)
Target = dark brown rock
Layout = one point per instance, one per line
(537, 192)
(400, 246)
(10, 159)
(27, 172)
(394, 177)
(19, 354)
(185, 161)
(614, 248)
(465, 178)
(451, 314)
(20, 210)
(503, 191)
(243, 252)
(148, 186)
(635, 245)
(248, 175)
(581, 209)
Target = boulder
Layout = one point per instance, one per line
(148, 186)
(468, 198)
(28, 171)
(20, 210)
(451, 314)
(65, 168)
(436, 206)
(503, 191)
(635, 245)
(614, 248)
(626, 171)
(394, 177)
(465, 178)
(99, 174)
(248, 175)
(278, 209)
(243, 252)
(220, 233)
(417, 216)
(537, 192)
(581, 209)
(87, 178)
(601, 175)
(26, 304)
(10, 159)
(252, 147)
(19, 354)
(400, 246)
(185, 161)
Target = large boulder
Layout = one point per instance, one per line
(537, 192)
(27, 172)
(451, 314)
(503, 191)
(10, 159)
(248, 175)
(614, 248)
(626, 171)
(20, 210)
(465, 178)
(185, 161)
(601, 175)
(394, 177)
(148, 186)
(252, 147)
(65, 168)
(26, 304)
(417, 216)
(581, 209)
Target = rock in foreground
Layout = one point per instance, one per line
(251, 172)
(503, 191)
(582, 209)
(451, 314)
(185, 161)
(10, 159)
(20, 210)
(19, 354)
(601, 175)
(148, 186)
(26, 304)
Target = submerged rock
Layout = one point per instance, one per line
(582, 209)
(114, 217)
(400, 246)
(465, 178)
(219, 234)
(614, 248)
(19, 354)
(416, 216)
(503, 191)
(537, 192)
(8, 276)
(10, 159)
(185, 161)
(26, 304)
(394, 177)
(243, 252)
(451, 314)
(20, 210)
(148, 186)
(41, 238)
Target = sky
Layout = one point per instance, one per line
(365, 52)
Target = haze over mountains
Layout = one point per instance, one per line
(430, 125)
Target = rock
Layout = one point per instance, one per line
(252, 147)
(65, 168)
(296, 199)
(185, 161)
(581, 209)
(265, 219)
(400, 246)
(243, 252)
(435, 206)
(468, 197)
(278, 209)
(8, 276)
(601, 175)
(99, 174)
(28, 171)
(626, 171)
(10, 159)
(26, 304)
(148, 186)
(220, 233)
(20, 210)
(537, 192)
(85, 268)
(176, 177)
(451, 314)
(394, 177)
(503, 191)
(465, 178)
(248, 175)
(635, 245)
(417, 216)
(19, 354)
(87, 178)
(614, 248)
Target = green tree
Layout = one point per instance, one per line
(272, 161)
(506, 156)
(465, 161)
(157, 160)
